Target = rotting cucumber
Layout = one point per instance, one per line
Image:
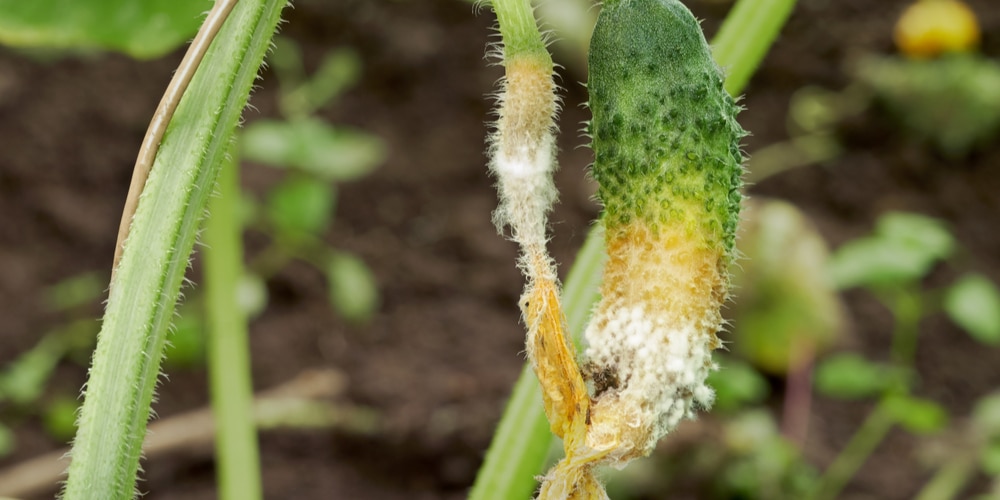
(669, 167)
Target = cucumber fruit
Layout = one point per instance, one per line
(669, 167)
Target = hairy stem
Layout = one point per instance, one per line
(126, 363)
(164, 112)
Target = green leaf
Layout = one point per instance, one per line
(762, 463)
(76, 291)
(142, 29)
(311, 145)
(919, 416)
(872, 261)
(750, 430)
(24, 379)
(186, 345)
(301, 205)
(353, 291)
(737, 384)
(903, 249)
(850, 376)
(986, 415)
(952, 102)
(989, 458)
(286, 61)
(924, 234)
(974, 304)
(59, 418)
(340, 69)
(300, 96)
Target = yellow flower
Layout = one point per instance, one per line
(929, 28)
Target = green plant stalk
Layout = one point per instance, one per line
(519, 446)
(126, 363)
(949, 479)
(237, 456)
(164, 112)
(518, 29)
(745, 37)
(907, 309)
(874, 429)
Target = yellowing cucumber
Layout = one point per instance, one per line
(668, 164)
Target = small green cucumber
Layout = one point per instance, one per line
(664, 129)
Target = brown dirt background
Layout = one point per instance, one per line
(439, 358)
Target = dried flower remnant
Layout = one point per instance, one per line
(522, 158)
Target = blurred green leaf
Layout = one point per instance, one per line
(986, 415)
(286, 60)
(301, 205)
(301, 96)
(786, 309)
(76, 291)
(186, 345)
(875, 262)
(953, 102)
(142, 29)
(736, 385)
(59, 418)
(813, 108)
(851, 376)
(335, 154)
(989, 458)
(750, 430)
(339, 70)
(927, 234)
(903, 249)
(24, 379)
(973, 303)
(919, 416)
(353, 290)
(765, 465)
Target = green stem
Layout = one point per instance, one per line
(237, 457)
(907, 309)
(518, 29)
(282, 249)
(857, 451)
(522, 439)
(949, 479)
(164, 114)
(126, 362)
(745, 37)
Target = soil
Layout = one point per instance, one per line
(439, 358)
